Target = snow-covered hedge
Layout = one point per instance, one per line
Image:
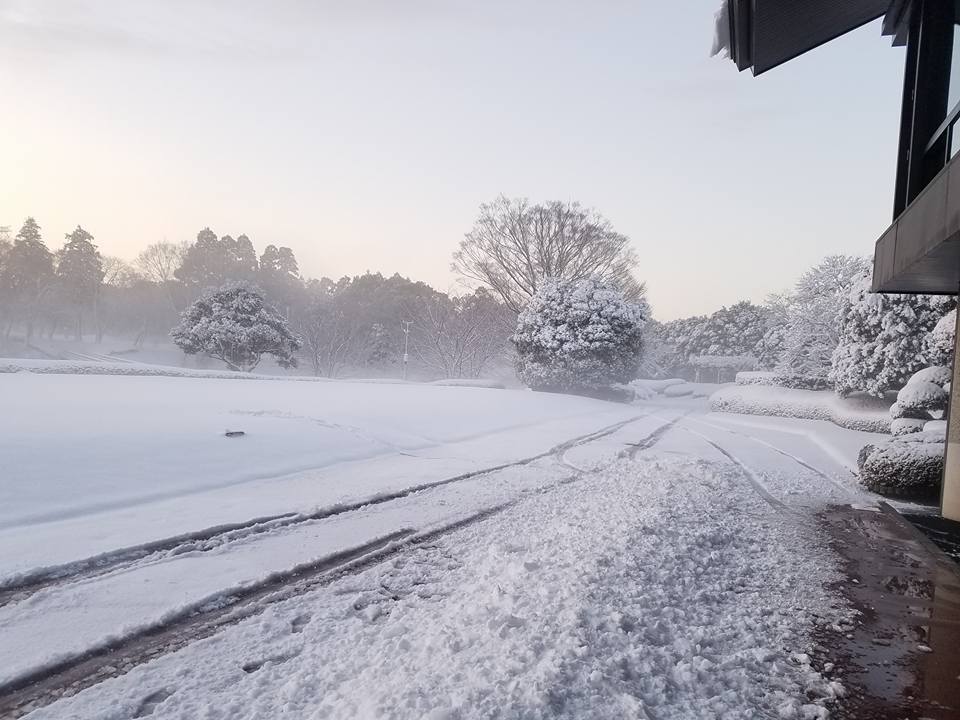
(786, 380)
(857, 412)
(905, 467)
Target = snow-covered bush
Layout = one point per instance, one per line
(919, 395)
(235, 325)
(940, 341)
(578, 337)
(907, 425)
(910, 466)
(925, 395)
(882, 338)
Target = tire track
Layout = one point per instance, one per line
(800, 461)
(747, 472)
(26, 585)
(201, 620)
(34, 690)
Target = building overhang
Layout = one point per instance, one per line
(761, 34)
(920, 251)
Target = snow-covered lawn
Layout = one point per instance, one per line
(543, 555)
(95, 463)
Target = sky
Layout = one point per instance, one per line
(365, 134)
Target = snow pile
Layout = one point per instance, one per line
(855, 413)
(908, 467)
(471, 382)
(653, 589)
(657, 386)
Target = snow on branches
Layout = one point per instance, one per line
(578, 337)
(882, 338)
(235, 325)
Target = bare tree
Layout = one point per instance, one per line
(334, 336)
(459, 337)
(514, 246)
(159, 261)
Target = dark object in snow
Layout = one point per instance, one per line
(234, 433)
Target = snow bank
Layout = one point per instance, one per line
(91, 367)
(855, 413)
(471, 382)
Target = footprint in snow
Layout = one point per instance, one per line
(253, 666)
(299, 622)
(151, 701)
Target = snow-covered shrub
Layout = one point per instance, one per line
(922, 395)
(882, 338)
(906, 426)
(898, 411)
(235, 325)
(910, 466)
(940, 341)
(936, 426)
(578, 337)
(937, 374)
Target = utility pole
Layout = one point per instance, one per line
(406, 344)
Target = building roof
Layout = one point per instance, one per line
(761, 34)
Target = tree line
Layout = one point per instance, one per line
(347, 324)
(829, 331)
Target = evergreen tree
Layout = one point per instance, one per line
(730, 331)
(235, 325)
(79, 274)
(882, 337)
(580, 336)
(26, 275)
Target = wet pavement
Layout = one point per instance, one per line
(901, 657)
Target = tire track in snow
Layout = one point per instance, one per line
(800, 461)
(27, 584)
(746, 471)
(34, 690)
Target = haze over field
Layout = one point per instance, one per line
(365, 135)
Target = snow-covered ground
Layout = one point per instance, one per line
(391, 550)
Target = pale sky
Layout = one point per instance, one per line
(365, 134)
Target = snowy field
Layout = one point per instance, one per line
(395, 550)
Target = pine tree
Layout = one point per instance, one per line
(881, 338)
(79, 274)
(26, 275)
